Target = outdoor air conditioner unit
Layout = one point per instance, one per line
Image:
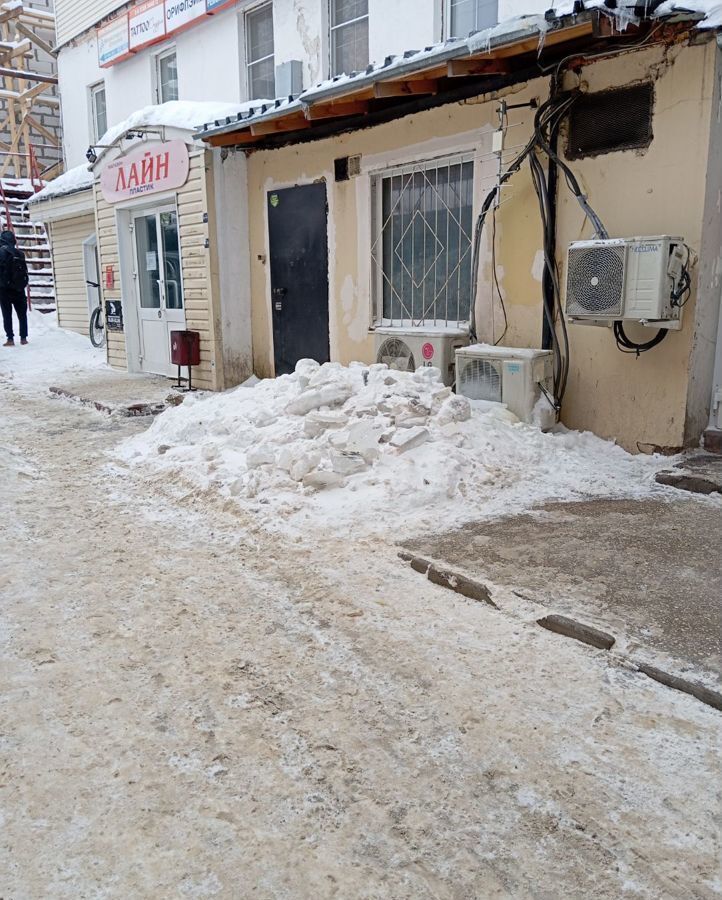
(513, 376)
(407, 349)
(626, 279)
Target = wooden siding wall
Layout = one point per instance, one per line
(73, 17)
(108, 255)
(66, 241)
(200, 308)
(201, 314)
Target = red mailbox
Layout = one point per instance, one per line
(185, 350)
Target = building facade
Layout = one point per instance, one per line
(118, 61)
(404, 191)
(372, 186)
(115, 58)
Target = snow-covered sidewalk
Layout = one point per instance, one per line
(192, 706)
(51, 353)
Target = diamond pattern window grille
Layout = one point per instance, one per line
(421, 255)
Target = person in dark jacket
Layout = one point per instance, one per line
(13, 288)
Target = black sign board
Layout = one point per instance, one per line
(113, 315)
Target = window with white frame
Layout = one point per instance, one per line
(166, 76)
(98, 111)
(260, 60)
(349, 36)
(466, 16)
(422, 247)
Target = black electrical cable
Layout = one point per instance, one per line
(496, 280)
(628, 346)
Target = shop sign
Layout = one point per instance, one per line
(113, 41)
(114, 315)
(181, 13)
(214, 6)
(147, 169)
(149, 22)
(146, 24)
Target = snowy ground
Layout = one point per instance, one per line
(369, 449)
(194, 705)
(52, 352)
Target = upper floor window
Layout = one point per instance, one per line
(98, 111)
(260, 60)
(166, 76)
(349, 36)
(466, 16)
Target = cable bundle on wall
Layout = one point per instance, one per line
(546, 122)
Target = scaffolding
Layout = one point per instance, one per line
(30, 143)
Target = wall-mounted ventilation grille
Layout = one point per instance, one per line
(618, 119)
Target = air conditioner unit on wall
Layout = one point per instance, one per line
(407, 348)
(626, 279)
(516, 377)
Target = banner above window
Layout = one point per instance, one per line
(149, 23)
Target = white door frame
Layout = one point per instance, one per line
(124, 216)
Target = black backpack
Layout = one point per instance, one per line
(14, 270)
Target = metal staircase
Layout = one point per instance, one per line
(31, 238)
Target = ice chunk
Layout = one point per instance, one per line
(320, 420)
(305, 370)
(262, 455)
(329, 395)
(304, 464)
(363, 438)
(321, 479)
(408, 438)
(346, 462)
(454, 409)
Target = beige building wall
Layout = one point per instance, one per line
(71, 294)
(659, 190)
(201, 303)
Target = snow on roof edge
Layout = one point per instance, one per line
(75, 180)
(185, 115)
(708, 13)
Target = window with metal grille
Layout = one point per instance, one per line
(618, 119)
(421, 254)
(466, 16)
(260, 56)
(349, 36)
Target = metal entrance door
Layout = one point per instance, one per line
(160, 287)
(92, 273)
(298, 245)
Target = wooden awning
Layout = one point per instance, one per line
(423, 79)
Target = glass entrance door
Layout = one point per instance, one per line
(159, 286)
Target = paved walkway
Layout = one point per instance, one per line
(649, 572)
(118, 392)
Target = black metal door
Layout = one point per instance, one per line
(298, 244)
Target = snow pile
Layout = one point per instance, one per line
(51, 352)
(375, 449)
(78, 179)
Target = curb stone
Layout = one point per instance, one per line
(564, 626)
(460, 584)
